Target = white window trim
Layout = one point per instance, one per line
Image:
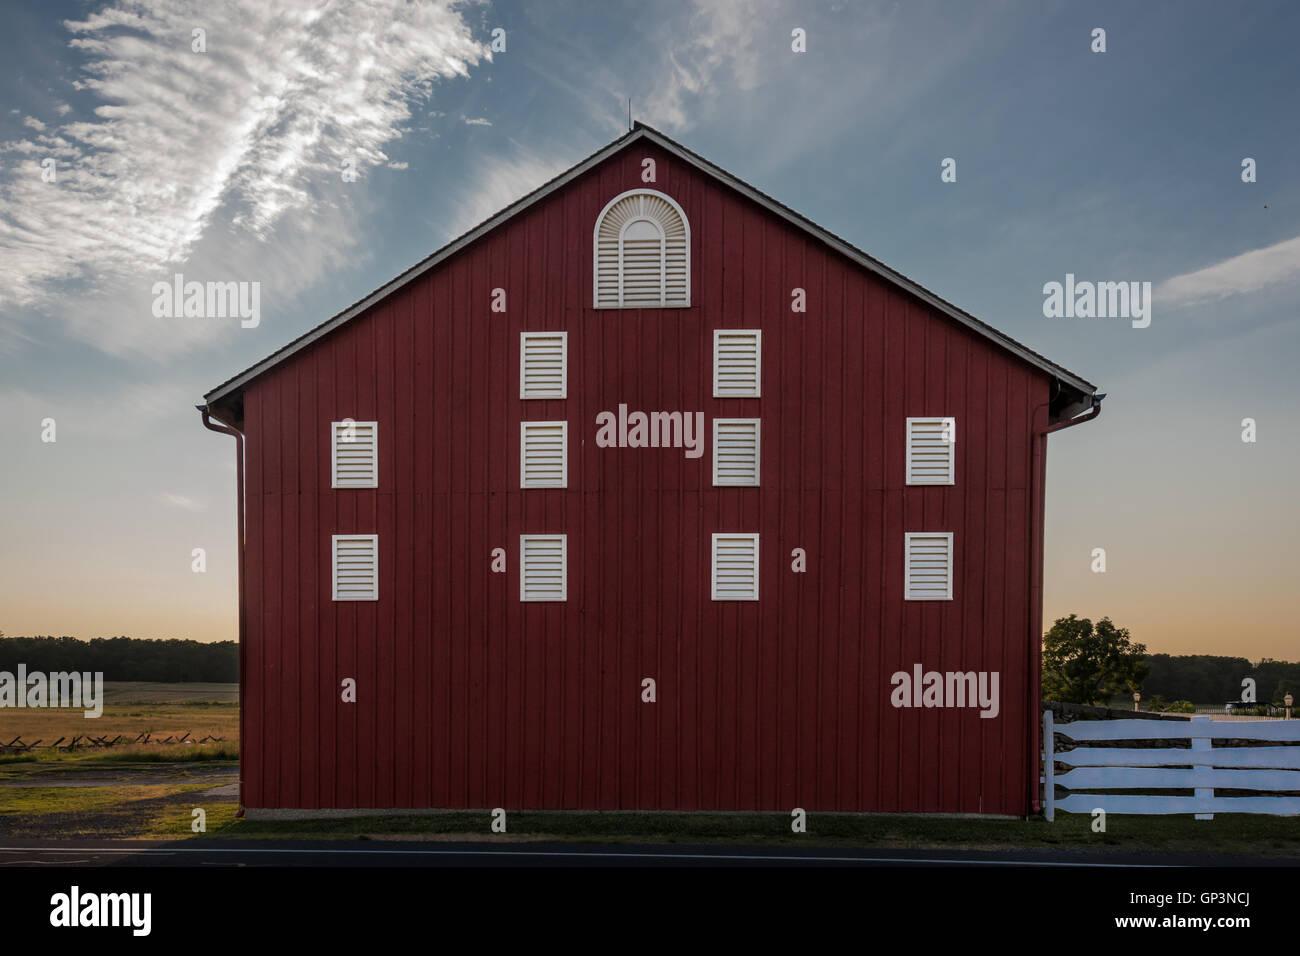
(952, 450)
(713, 565)
(564, 568)
(907, 563)
(334, 456)
(758, 452)
(564, 365)
(758, 362)
(334, 566)
(564, 454)
(595, 253)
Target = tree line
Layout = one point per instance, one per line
(124, 658)
(1085, 663)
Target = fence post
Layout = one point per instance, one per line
(1049, 767)
(1201, 745)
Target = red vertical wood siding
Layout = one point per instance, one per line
(467, 697)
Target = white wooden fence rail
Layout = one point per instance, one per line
(1200, 767)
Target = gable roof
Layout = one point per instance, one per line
(1076, 392)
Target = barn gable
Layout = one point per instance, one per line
(1074, 393)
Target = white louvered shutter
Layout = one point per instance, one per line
(737, 363)
(543, 454)
(735, 451)
(543, 364)
(735, 567)
(641, 265)
(931, 451)
(354, 454)
(641, 254)
(928, 567)
(356, 567)
(543, 571)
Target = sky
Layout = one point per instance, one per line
(1117, 165)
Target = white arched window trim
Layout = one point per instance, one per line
(663, 252)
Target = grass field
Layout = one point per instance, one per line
(1228, 834)
(138, 804)
(131, 709)
(124, 791)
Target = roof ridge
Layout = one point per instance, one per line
(638, 131)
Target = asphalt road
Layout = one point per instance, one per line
(369, 853)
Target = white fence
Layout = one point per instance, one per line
(1201, 767)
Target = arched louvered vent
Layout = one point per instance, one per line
(642, 253)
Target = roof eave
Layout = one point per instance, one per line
(639, 131)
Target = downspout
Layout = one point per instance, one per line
(209, 424)
(1038, 477)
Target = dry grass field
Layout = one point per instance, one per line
(128, 790)
(131, 709)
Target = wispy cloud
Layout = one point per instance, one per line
(183, 502)
(720, 44)
(1245, 273)
(499, 181)
(478, 121)
(241, 137)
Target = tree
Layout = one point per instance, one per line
(1083, 664)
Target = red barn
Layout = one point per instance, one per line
(647, 493)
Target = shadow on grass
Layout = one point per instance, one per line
(1272, 836)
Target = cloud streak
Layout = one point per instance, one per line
(498, 182)
(720, 45)
(1240, 275)
(183, 502)
(232, 141)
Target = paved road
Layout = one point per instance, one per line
(342, 853)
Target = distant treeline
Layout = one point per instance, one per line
(124, 658)
(1204, 679)
(1200, 678)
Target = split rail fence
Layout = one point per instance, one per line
(1258, 761)
(82, 741)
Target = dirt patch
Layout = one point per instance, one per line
(71, 775)
(131, 818)
(142, 800)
